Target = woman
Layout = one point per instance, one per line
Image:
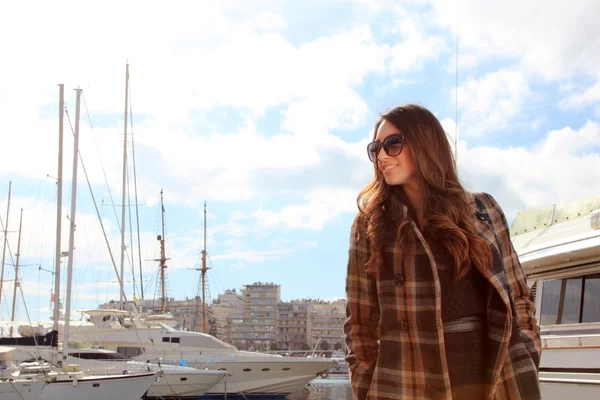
(438, 306)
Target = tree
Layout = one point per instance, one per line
(337, 346)
(305, 346)
(274, 346)
(324, 345)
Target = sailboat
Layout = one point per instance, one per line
(12, 386)
(149, 337)
(69, 382)
(144, 336)
(559, 249)
(176, 381)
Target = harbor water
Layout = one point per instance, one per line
(333, 387)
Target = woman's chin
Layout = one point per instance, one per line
(391, 181)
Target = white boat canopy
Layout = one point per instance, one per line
(107, 311)
(5, 352)
(553, 241)
(542, 217)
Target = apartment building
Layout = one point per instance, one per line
(255, 318)
(258, 326)
(227, 308)
(294, 326)
(327, 320)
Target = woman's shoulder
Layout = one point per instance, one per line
(360, 222)
(486, 201)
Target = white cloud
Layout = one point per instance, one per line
(193, 61)
(336, 109)
(560, 167)
(492, 102)
(538, 122)
(238, 265)
(552, 41)
(259, 256)
(563, 166)
(234, 227)
(450, 128)
(465, 62)
(578, 98)
(321, 206)
(314, 82)
(416, 47)
(269, 21)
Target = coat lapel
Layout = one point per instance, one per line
(495, 274)
(499, 304)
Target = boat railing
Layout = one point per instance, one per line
(303, 353)
(576, 329)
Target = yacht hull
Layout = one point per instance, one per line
(281, 377)
(183, 385)
(128, 387)
(560, 386)
(21, 390)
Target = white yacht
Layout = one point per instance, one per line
(175, 381)
(21, 389)
(151, 340)
(70, 383)
(559, 249)
(12, 387)
(39, 380)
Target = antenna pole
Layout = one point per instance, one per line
(456, 105)
(5, 239)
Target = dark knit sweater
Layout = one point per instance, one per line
(465, 351)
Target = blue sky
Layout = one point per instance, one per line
(264, 112)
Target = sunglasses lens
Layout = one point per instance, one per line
(373, 150)
(393, 145)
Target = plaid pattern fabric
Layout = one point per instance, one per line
(394, 330)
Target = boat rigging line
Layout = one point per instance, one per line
(121, 287)
(99, 157)
(137, 215)
(19, 286)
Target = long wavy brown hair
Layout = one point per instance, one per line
(447, 215)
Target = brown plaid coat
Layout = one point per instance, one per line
(394, 329)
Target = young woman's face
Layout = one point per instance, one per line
(399, 169)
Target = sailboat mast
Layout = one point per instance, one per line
(14, 306)
(56, 313)
(72, 229)
(5, 239)
(124, 186)
(163, 258)
(456, 107)
(204, 330)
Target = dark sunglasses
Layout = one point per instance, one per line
(392, 145)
